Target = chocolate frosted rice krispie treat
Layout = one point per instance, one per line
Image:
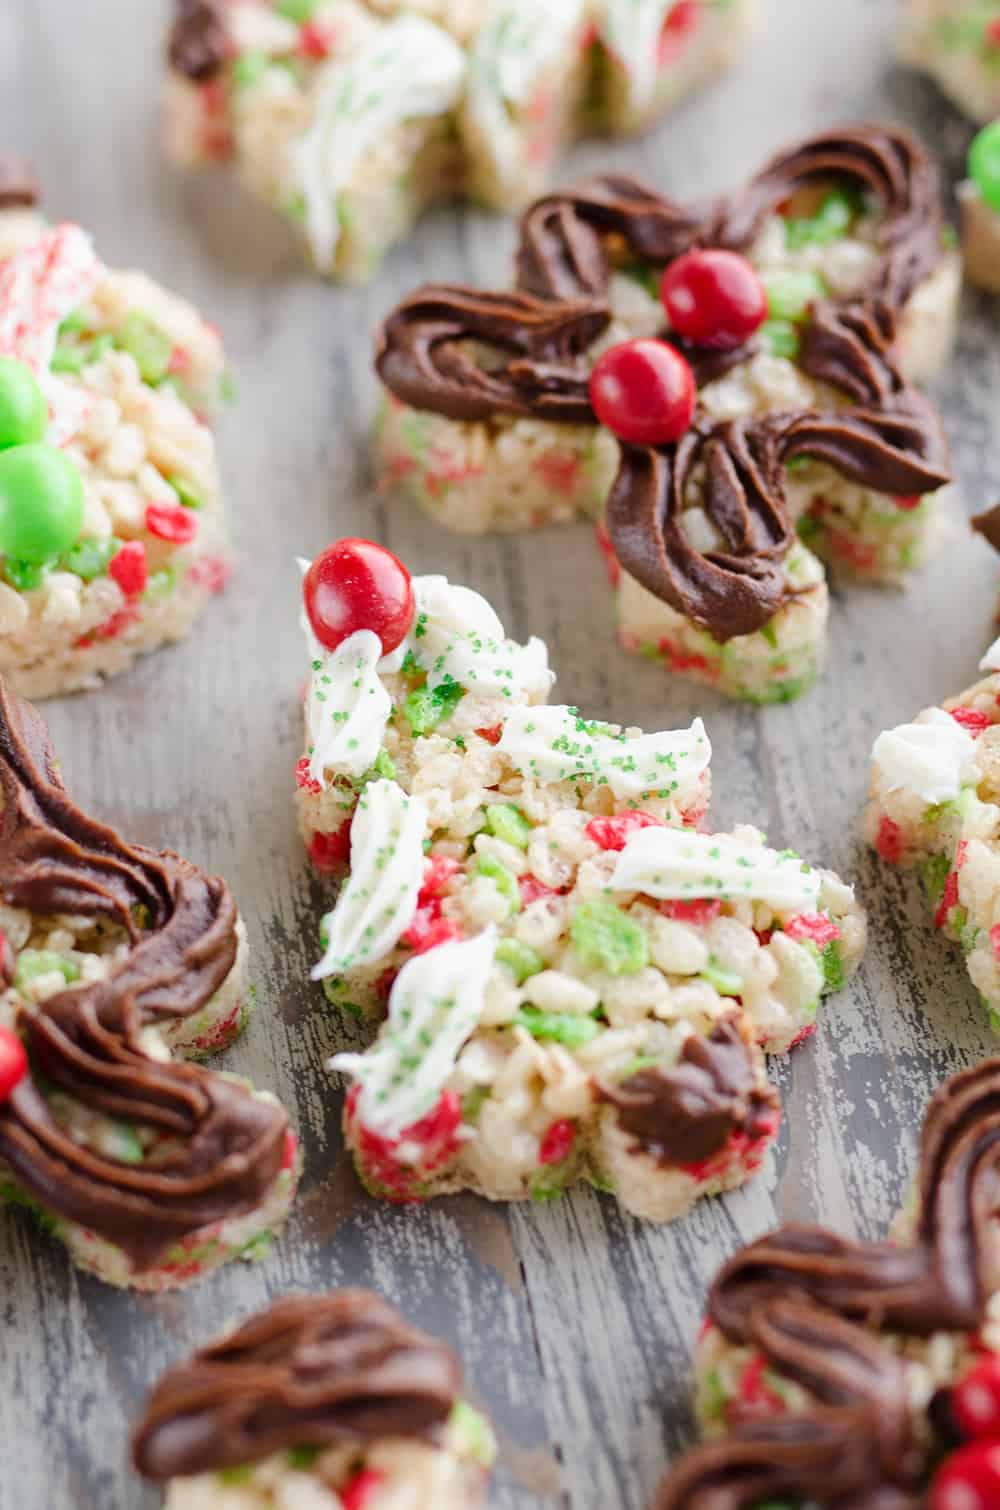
(979, 198)
(935, 804)
(957, 42)
(756, 416)
(112, 536)
(842, 1375)
(321, 1402)
(114, 958)
(350, 118)
(576, 982)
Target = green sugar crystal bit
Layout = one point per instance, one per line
(558, 1027)
(780, 338)
(161, 583)
(149, 347)
(503, 879)
(521, 960)
(726, 982)
(298, 10)
(384, 765)
(242, 1473)
(303, 1457)
(608, 938)
(832, 220)
(249, 68)
(472, 1103)
(90, 557)
(31, 963)
(509, 824)
(119, 1141)
(25, 576)
(713, 1396)
(475, 1439)
(833, 967)
(185, 492)
(790, 294)
(425, 709)
(933, 873)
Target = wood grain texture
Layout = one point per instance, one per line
(575, 1321)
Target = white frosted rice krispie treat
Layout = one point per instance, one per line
(321, 1402)
(836, 1373)
(957, 42)
(935, 804)
(979, 199)
(149, 1170)
(113, 537)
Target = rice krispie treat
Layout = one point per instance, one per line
(321, 1402)
(576, 982)
(957, 42)
(113, 958)
(979, 198)
(773, 428)
(863, 1376)
(112, 535)
(350, 118)
(935, 804)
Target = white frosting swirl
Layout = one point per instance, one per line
(410, 69)
(435, 1004)
(931, 757)
(377, 902)
(631, 30)
(457, 636)
(555, 744)
(681, 865)
(347, 708)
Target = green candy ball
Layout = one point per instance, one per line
(24, 415)
(41, 502)
(984, 164)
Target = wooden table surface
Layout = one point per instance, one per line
(575, 1321)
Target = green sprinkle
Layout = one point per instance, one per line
(503, 879)
(303, 1457)
(833, 967)
(90, 557)
(726, 982)
(298, 10)
(118, 1141)
(605, 936)
(558, 1027)
(780, 338)
(509, 824)
(73, 323)
(242, 1473)
(384, 765)
(472, 1103)
(249, 68)
(770, 634)
(25, 576)
(832, 220)
(32, 963)
(188, 497)
(519, 958)
(161, 583)
(425, 709)
(638, 1064)
(790, 294)
(713, 1396)
(147, 344)
(933, 873)
(475, 1439)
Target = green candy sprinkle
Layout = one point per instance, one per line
(249, 68)
(188, 497)
(833, 967)
(832, 220)
(475, 1439)
(984, 164)
(714, 1397)
(161, 583)
(933, 873)
(780, 338)
(520, 959)
(558, 1027)
(472, 1103)
(605, 936)
(90, 557)
(147, 344)
(425, 709)
(503, 879)
(298, 10)
(73, 323)
(790, 294)
(73, 356)
(770, 634)
(25, 576)
(384, 765)
(726, 982)
(24, 414)
(118, 1141)
(31, 963)
(509, 824)
(303, 1457)
(41, 502)
(242, 1473)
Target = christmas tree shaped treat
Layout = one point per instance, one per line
(112, 535)
(575, 980)
(114, 959)
(727, 390)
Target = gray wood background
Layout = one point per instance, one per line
(575, 1322)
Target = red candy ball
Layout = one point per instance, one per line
(975, 1401)
(13, 1062)
(968, 1479)
(714, 298)
(354, 585)
(644, 392)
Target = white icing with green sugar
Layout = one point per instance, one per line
(991, 660)
(556, 744)
(378, 901)
(680, 865)
(456, 636)
(347, 708)
(932, 758)
(631, 30)
(436, 1003)
(515, 53)
(411, 69)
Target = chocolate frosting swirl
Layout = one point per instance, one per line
(686, 1114)
(809, 1299)
(199, 42)
(221, 1147)
(313, 1370)
(18, 183)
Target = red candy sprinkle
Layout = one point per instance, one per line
(700, 912)
(290, 1149)
(429, 929)
(644, 392)
(907, 500)
(968, 1479)
(812, 925)
(995, 941)
(614, 833)
(355, 584)
(437, 1135)
(975, 1400)
(492, 736)
(129, 568)
(970, 719)
(438, 871)
(557, 1141)
(171, 521)
(949, 897)
(13, 1062)
(678, 26)
(331, 851)
(714, 298)
(303, 780)
(356, 1493)
(532, 890)
(993, 32)
(889, 841)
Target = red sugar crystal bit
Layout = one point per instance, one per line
(614, 833)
